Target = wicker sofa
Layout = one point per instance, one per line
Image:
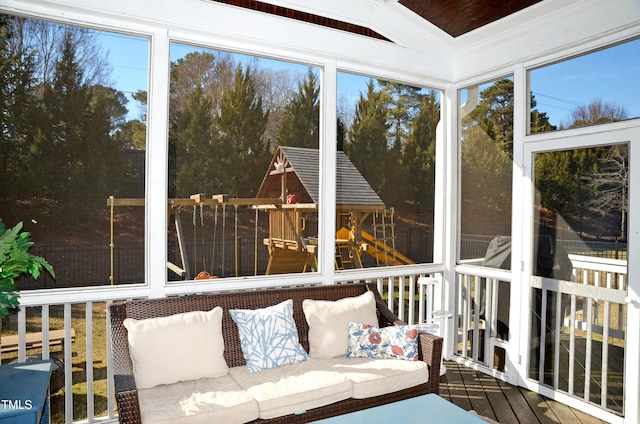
(127, 394)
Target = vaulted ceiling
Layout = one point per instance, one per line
(454, 17)
(444, 40)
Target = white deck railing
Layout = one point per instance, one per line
(590, 310)
(601, 284)
(604, 273)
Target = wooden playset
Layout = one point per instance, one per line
(289, 193)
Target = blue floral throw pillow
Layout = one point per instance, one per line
(393, 342)
(268, 336)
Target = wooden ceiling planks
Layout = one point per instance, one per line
(457, 17)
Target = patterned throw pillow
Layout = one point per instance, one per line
(268, 336)
(393, 342)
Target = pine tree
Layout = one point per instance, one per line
(301, 120)
(420, 152)
(196, 152)
(403, 103)
(494, 114)
(73, 143)
(241, 125)
(17, 108)
(61, 145)
(367, 146)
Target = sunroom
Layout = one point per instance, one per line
(475, 159)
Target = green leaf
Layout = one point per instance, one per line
(15, 261)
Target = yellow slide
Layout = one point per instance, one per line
(383, 253)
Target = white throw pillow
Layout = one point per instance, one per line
(329, 322)
(179, 347)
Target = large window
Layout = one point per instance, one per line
(72, 148)
(578, 313)
(486, 145)
(385, 172)
(592, 89)
(73, 134)
(486, 163)
(243, 165)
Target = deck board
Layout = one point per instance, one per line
(476, 393)
(500, 405)
(502, 402)
(454, 390)
(518, 402)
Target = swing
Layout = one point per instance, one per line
(195, 238)
(183, 272)
(224, 227)
(202, 275)
(236, 240)
(236, 251)
(215, 236)
(175, 207)
(255, 246)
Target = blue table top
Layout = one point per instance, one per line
(23, 387)
(424, 409)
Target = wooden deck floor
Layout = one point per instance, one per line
(506, 404)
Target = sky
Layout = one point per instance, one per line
(610, 75)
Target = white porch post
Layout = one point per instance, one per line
(522, 199)
(157, 159)
(447, 209)
(632, 336)
(328, 137)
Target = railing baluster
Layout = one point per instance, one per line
(589, 344)
(412, 301)
(110, 383)
(605, 356)
(542, 334)
(44, 314)
(467, 313)
(401, 298)
(572, 346)
(390, 292)
(22, 334)
(68, 366)
(476, 318)
(89, 360)
(556, 341)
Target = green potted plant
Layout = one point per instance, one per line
(15, 261)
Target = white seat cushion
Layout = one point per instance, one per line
(292, 388)
(205, 401)
(373, 377)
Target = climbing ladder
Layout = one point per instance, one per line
(384, 237)
(347, 256)
(347, 253)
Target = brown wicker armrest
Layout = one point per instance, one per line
(431, 353)
(124, 382)
(128, 407)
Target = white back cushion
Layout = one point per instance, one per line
(179, 347)
(329, 322)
